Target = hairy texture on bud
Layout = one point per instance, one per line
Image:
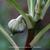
(17, 25)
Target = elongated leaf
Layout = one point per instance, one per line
(8, 38)
(31, 7)
(19, 9)
(45, 9)
(39, 35)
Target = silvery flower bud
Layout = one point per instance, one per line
(17, 25)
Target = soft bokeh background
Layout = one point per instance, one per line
(7, 13)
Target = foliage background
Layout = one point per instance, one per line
(7, 13)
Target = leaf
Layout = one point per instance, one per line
(39, 35)
(17, 6)
(19, 9)
(31, 7)
(8, 38)
(45, 9)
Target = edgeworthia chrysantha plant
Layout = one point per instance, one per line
(23, 15)
(36, 11)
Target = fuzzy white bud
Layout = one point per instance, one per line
(17, 24)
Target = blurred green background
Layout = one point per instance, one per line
(7, 13)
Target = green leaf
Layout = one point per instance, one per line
(39, 35)
(19, 9)
(8, 37)
(45, 9)
(31, 7)
(17, 6)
